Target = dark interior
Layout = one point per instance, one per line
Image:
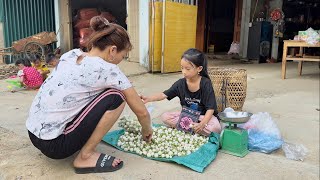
(220, 23)
(117, 8)
(299, 16)
(81, 31)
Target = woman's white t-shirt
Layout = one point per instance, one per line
(68, 89)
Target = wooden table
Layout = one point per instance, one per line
(301, 58)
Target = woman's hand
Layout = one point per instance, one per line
(147, 134)
(198, 127)
(140, 110)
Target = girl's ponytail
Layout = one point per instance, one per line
(204, 71)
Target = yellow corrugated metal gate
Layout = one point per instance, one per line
(172, 31)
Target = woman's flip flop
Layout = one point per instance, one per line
(104, 164)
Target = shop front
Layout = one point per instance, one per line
(218, 25)
(132, 15)
(74, 18)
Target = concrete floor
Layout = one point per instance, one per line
(293, 104)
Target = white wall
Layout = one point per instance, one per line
(1, 40)
(133, 24)
(57, 19)
(144, 33)
(63, 17)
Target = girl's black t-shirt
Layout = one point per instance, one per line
(203, 99)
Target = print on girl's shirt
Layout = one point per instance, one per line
(202, 97)
(187, 117)
(192, 100)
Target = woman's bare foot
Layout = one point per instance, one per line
(90, 160)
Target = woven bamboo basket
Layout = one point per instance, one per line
(230, 87)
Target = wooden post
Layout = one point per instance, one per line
(201, 18)
(300, 62)
(284, 60)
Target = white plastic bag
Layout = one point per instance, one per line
(223, 125)
(263, 122)
(234, 48)
(294, 151)
(263, 133)
(312, 36)
(228, 109)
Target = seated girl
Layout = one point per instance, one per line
(41, 67)
(194, 91)
(29, 76)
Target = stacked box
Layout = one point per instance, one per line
(303, 35)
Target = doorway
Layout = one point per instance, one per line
(218, 24)
(82, 11)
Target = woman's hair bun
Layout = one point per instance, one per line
(99, 23)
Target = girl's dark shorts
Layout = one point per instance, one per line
(78, 131)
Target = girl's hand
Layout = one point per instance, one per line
(198, 127)
(145, 99)
(147, 134)
(152, 98)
